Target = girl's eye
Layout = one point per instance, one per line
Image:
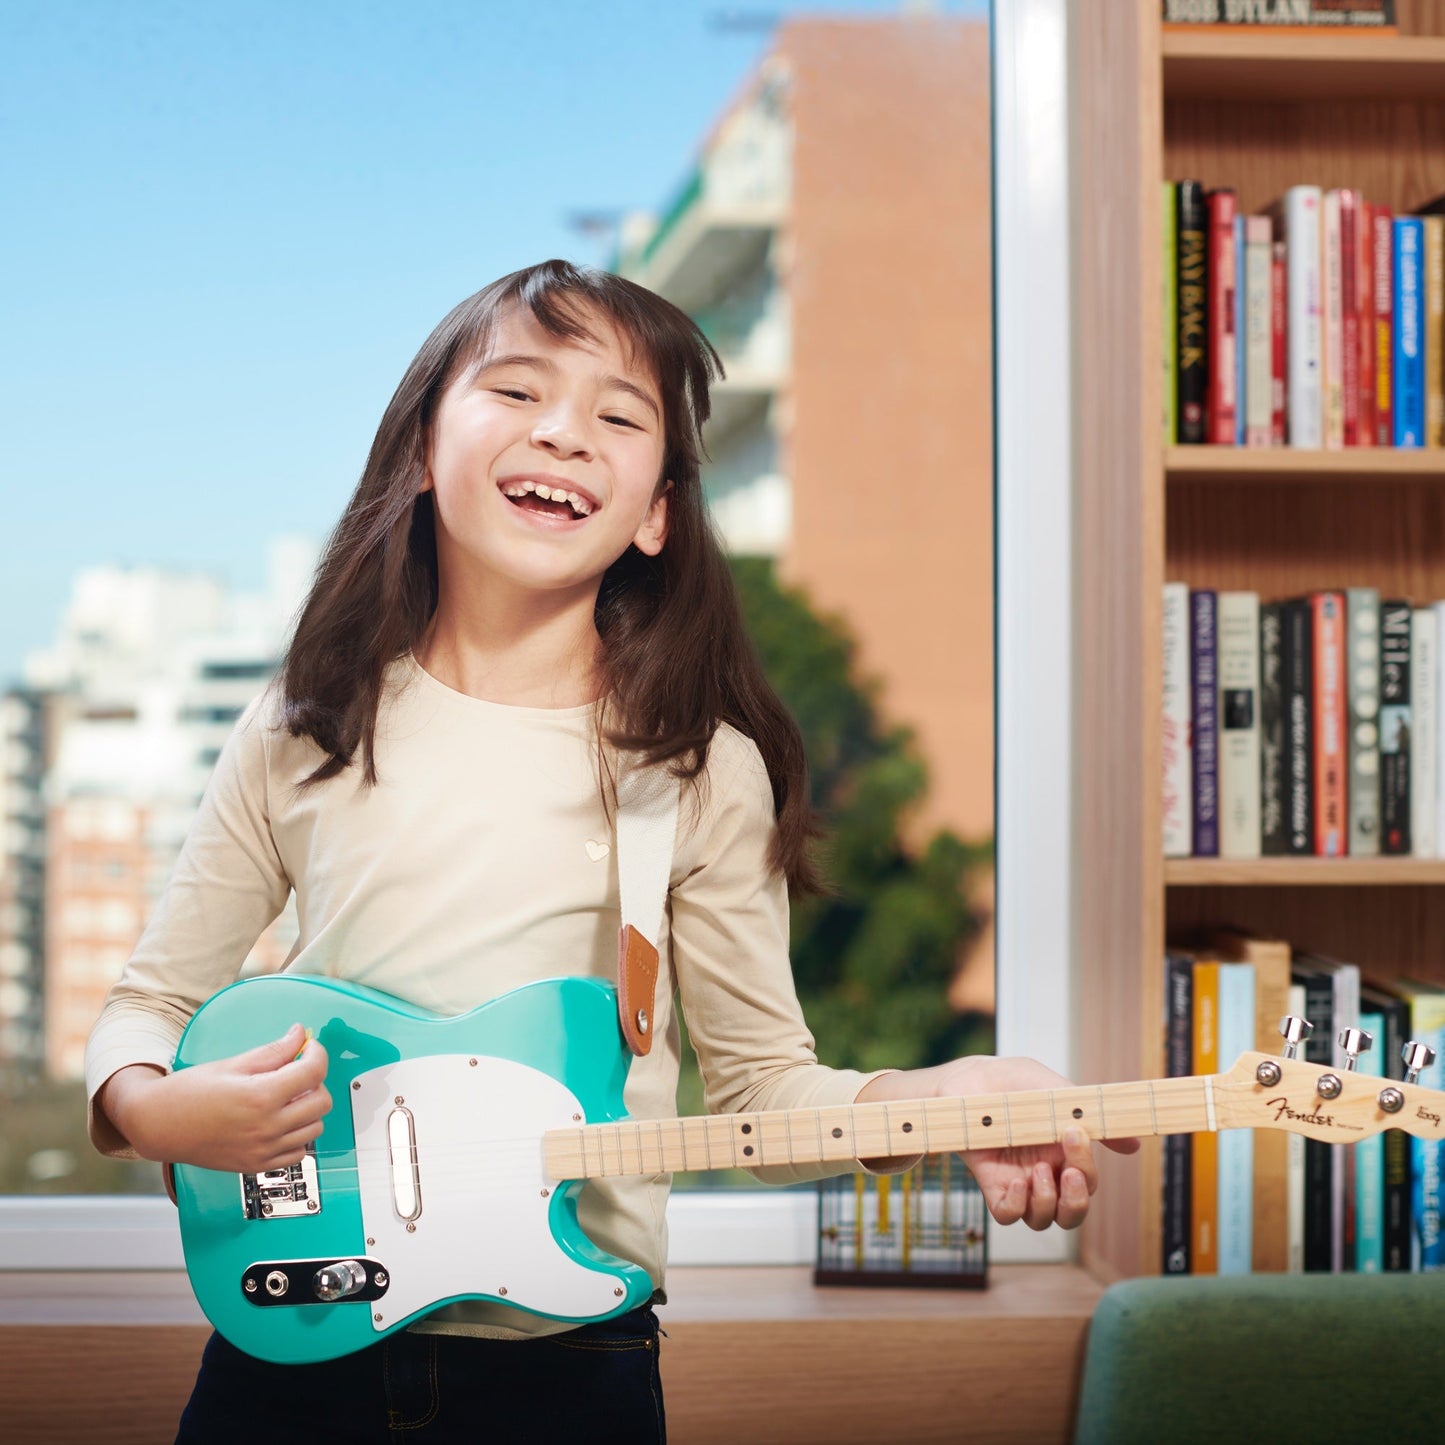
(621, 421)
(507, 391)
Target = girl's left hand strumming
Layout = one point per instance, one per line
(1041, 1184)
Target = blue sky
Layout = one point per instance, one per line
(229, 227)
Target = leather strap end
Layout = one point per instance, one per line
(636, 988)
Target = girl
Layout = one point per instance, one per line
(524, 583)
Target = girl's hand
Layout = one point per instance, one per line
(1041, 1184)
(241, 1115)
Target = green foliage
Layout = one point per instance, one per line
(874, 960)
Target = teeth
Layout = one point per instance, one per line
(580, 505)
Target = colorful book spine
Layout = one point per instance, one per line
(1171, 314)
(1409, 356)
(1319, 1219)
(1427, 1026)
(1362, 629)
(1424, 731)
(1439, 610)
(1204, 1233)
(1239, 338)
(1349, 222)
(1273, 834)
(1278, 300)
(1434, 334)
(1299, 694)
(1334, 368)
(1179, 1056)
(1384, 226)
(1297, 216)
(1370, 1162)
(1192, 351)
(1398, 1157)
(1365, 321)
(1220, 395)
(1236, 1146)
(1238, 638)
(1395, 730)
(1331, 760)
(1204, 712)
(1176, 741)
(1258, 350)
(1295, 1167)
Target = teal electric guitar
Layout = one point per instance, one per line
(450, 1163)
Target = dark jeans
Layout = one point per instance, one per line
(597, 1383)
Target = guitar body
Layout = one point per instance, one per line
(427, 1185)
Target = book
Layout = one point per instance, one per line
(1171, 315)
(1179, 1063)
(1192, 294)
(1297, 666)
(1365, 322)
(1351, 205)
(1204, 714)
(1273, 834)
(1384, 228)
(1220, 397)
(1204, 1168)
(1362, 629)
(1427, 1026)
(1370, 1160)
(1424, 731)
(1238, 670)
(1330, 758)
(1296, 217)
(1278, 293)
(1395, 1143)
(1295, 1167)
(1434, 332)
(1235, 1148)
(1319, 1159)
(1395, 730)
(1439, 610)
(1334, 334)
(1373, 17)
(1408, 363)
(1258, 393)
(1176, 741)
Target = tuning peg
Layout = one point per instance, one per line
(1355, 1042)
(1294, 1031)
(1416, 1057)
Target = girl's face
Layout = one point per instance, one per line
(544, 416)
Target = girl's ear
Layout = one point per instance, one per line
(653, 531)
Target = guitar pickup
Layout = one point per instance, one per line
(282, 1193)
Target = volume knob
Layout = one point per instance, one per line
(336, 1281)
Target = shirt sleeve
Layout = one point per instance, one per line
(729, 933)
(227, 886)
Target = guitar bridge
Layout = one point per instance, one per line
(282, 1193)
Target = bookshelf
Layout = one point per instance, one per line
(1259, 113)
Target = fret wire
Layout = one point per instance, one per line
(818, 1128)
(887, 1132)
(1053, 1119)
(758, 1125)
(1153, 1113)
(661, 1150)
(617, 1135)
(707, 1139)
(853, 1133)
(582, 1145)
(1008, 1123)
(788, 1133)
(1103, 1120)
(963, 1111)
(732, 1129)
(637, 1135)
(926, 1149)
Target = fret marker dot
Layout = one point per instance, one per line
(747, 1128)
(1078, 1113)
(747, 1148)
(837, 1133)
(987, 1120)
(907, 1128)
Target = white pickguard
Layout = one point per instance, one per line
(482, 1227)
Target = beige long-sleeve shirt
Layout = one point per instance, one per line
(483, 860)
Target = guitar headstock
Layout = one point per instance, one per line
(1335, 1105)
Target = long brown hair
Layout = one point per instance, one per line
(676, 657)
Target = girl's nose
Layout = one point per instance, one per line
(559, 430)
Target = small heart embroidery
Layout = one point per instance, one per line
(597, 851)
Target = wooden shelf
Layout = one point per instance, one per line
(1309, 66)
(1301, 872)
(1353, 464)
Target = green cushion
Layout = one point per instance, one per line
(1280, 1358)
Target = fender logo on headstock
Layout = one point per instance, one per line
(1282, 1110)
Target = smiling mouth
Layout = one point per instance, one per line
(545, 501)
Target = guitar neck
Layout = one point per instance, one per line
(880, 1130)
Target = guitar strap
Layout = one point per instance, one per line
(646, 830)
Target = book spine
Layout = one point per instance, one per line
(1434, 271)
(1362, 629)
(1439, 610)
(1370, 1163)
(1395, 730)
(1329, 719)
(1179, 1051)
(1236, 1146)
(1299, 697)
(1273, 835)
(1177, 746)
(1220, 396)
(1259, 358)
(1349, 204)
(1365, 320)
(1278, 293)
(1204, 1235)
(1238, 635)
(1295, 1169)
(1304, 379)
(1192, 352)
(1334, 375)
(1319, 1156)
(1409, 357)
(1345, 982)
(1424, 731)
(1427, 1025)
(1240, 391)
(1204, 729)
(1171, 314)
(1384, 325)
(1399, 1162)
